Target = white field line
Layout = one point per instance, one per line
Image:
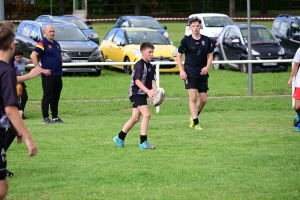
(214, 97)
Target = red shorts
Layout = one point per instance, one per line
(296, 93)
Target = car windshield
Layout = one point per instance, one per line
(217, 21)
(77, 22)
(259, 36)
(145, 23)
(68, 33)
(137, 37)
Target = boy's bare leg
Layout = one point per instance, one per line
(146, 117)
(135, 117)
(3, 189)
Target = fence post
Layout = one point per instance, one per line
(157, 82)
(293, 87)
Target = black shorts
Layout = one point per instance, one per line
(138, 100)
(201, 84)
(3, 155)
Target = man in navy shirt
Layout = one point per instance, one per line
(49, 52)
(198, 58)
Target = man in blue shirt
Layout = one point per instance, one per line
(49, 52)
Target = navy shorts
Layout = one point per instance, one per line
(201, 84)
(3, 155)
(138, 100)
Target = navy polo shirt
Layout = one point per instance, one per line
(50, 56)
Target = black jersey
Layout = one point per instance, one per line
(195, 54)
(145, 72)
(8, 92)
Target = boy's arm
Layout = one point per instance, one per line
(29, 62)
(154, 84)
(139, 83)
(20, 128)
(33, 73)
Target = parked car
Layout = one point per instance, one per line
(141, 22)
(88, 30)
(123, 45)
(233, 45)
(211, 26)
(75, 46)
(287, 28)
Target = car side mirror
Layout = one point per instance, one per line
(296, 37)
(90, 27)
(288, 32)
(236, 41)
(165, 27)
(278, 39)
(36, 38)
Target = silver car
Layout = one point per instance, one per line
(75, 45)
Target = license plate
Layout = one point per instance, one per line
(267, 64)
(79, 61)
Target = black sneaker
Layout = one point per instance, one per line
(57, 120)
(46, 121)
(8, 173)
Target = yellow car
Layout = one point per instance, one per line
(123, 45)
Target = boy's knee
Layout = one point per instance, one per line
(148, 115)
(3, 188)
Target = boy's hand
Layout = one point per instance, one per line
(151, 94)
(34, 72)
(32, 148)
(182, 74)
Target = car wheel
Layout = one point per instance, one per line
(127, 68)
(217, 58)
(97, 73)
(243, 67)
(103, 60)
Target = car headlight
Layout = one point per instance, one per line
(94, 35)
(254, 53)
(166, 34)
(175, 53)
(95, 52)
(136, 52)
(281, 52)
(63, 53)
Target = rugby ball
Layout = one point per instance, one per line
(159, 97)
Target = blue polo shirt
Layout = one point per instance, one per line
(50, 56)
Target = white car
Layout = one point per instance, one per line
(211, 26)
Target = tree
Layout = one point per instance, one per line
(263, 7)
(61, 7)
(137, 7)
(232, 8)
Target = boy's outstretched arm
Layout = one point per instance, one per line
(33, 73)
(12, 113)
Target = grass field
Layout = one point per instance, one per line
(248, 148)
